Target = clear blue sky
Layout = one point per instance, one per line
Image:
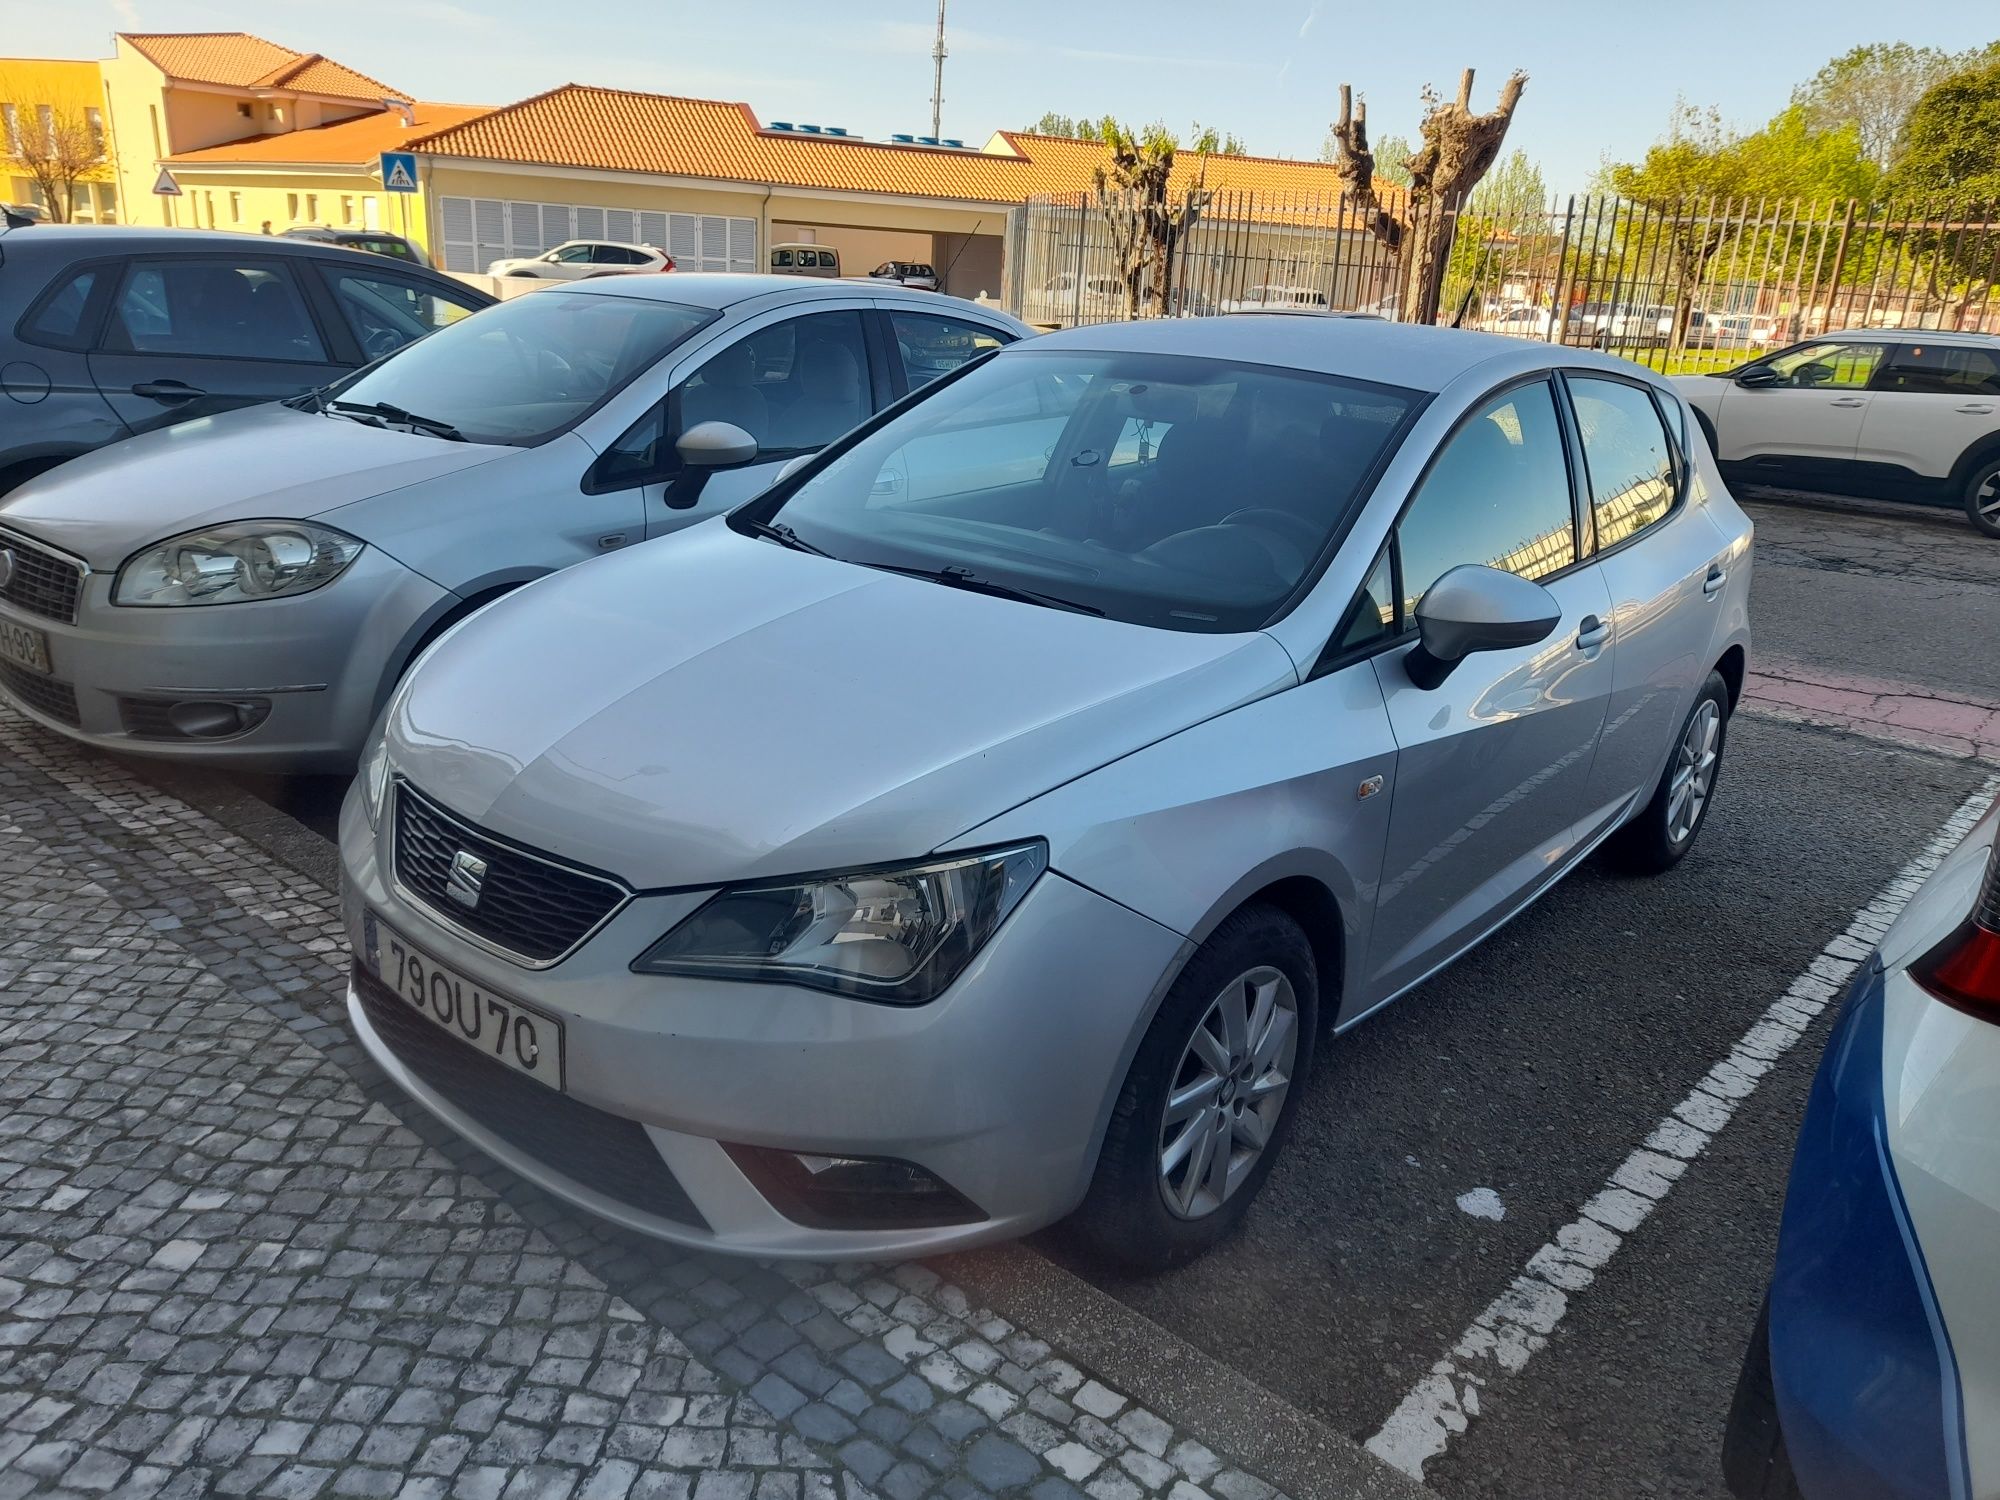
(1604, 74)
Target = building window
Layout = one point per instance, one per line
(94, 118)
(107, 203)
(312, 208)
(346, 208)
(236, 208)
(292, 207)
(11, 116)
(248, 111)
(45, 117)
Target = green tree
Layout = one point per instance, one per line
(1107, 128)
(1392, 157)
(1952, 141)
(1690, 175)
(1206, 139)
(1874, 89)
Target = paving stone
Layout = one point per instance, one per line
(1000, 1464)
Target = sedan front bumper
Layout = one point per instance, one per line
(312, 666)
(1000, 1088)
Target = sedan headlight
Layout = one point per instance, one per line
(233, 564)
(898, 935)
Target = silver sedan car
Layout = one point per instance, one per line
(247, 588)
(993, 819)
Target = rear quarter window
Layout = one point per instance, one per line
(57, 318)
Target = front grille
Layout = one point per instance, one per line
(43, 583)
(604, 1152)
(526, 905)
(43, 694)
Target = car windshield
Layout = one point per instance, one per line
(527, 369)
(1184, 493)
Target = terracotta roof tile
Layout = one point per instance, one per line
(236, 59)
(359, 140)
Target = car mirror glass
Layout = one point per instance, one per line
(1476, 608)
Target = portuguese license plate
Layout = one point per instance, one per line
(513, 1034)
(24, 646)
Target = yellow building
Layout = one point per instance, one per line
(173, 94)
(40, 96)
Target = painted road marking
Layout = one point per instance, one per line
(1517, 1323)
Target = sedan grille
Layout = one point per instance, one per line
(43, 694)
(41, 582)
(525, 904)
(604, 1152)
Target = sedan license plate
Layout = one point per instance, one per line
(505, 1030)
(25, 646)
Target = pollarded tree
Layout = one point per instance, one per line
(1459, 147)
(1145, 227)
(55, 147)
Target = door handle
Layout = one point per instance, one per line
(1848, 401)
(1717, 577)
(167, 390)
(1592, 633)
(1975, 408)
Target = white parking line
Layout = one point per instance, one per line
(1517, 1323)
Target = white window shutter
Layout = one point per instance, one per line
(743, 245)
(455, 220)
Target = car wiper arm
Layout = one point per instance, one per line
(783, 535)
(390, 413)
(964, 578)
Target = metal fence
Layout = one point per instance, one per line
(1688, 284)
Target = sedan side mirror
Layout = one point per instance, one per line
(704, 448)
(1756, 377)
(715, 445)
(1476, 608)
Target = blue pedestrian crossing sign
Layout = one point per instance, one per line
(399, 171)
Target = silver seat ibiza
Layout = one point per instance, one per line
(245, 589)
(991, 821)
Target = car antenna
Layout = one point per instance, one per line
(1464, 303)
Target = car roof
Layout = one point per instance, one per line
(721, 289)
(621, 244)
(78, 241)
(1411, 355)
(1898, 335)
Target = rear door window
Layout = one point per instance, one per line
(930, 346)
(387, 312)
(220, 308)
(1940, 370)
(1625, 453)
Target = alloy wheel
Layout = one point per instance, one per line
(1694, 770)
(1986, 499)
(1228, 1092)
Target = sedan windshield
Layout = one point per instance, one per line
(1163, 490)
(527, 369)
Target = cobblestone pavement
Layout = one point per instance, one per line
(234, 1261)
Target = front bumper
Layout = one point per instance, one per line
(315, 663)
(1001, 1087)
(1861, 1370)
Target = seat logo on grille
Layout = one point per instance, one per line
(468, 874)
(6, 566)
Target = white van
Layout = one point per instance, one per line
(805, 260)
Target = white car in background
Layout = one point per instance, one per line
(1286, 298)
(1060, 301)
(576, 260)
(1898, 413)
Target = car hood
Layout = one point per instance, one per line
(713, 708)
(259, 461)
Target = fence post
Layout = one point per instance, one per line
(1558, 303)
(1839, 264)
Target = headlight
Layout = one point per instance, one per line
(898, 935)
(374, 778)
(235, 563)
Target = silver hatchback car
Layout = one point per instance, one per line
(991, 820)
(247, 588)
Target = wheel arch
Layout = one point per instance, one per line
(1981, 450)
(1733, 666)
(427, 630)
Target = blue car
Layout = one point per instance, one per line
(1874, 1372)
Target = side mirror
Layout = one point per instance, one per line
(715, 445)
(793, 466)
(1756, 377)
(1476, 608)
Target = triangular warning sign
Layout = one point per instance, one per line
(165, 185)
(399, 177)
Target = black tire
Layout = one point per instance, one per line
(1647, 845)
(1982, 496)
(1125, 1218)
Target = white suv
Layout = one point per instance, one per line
(1907, 413)
(575, 260)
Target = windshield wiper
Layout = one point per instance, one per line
(965, 578)
(313, 400)
(783, 535)
(388, 413)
